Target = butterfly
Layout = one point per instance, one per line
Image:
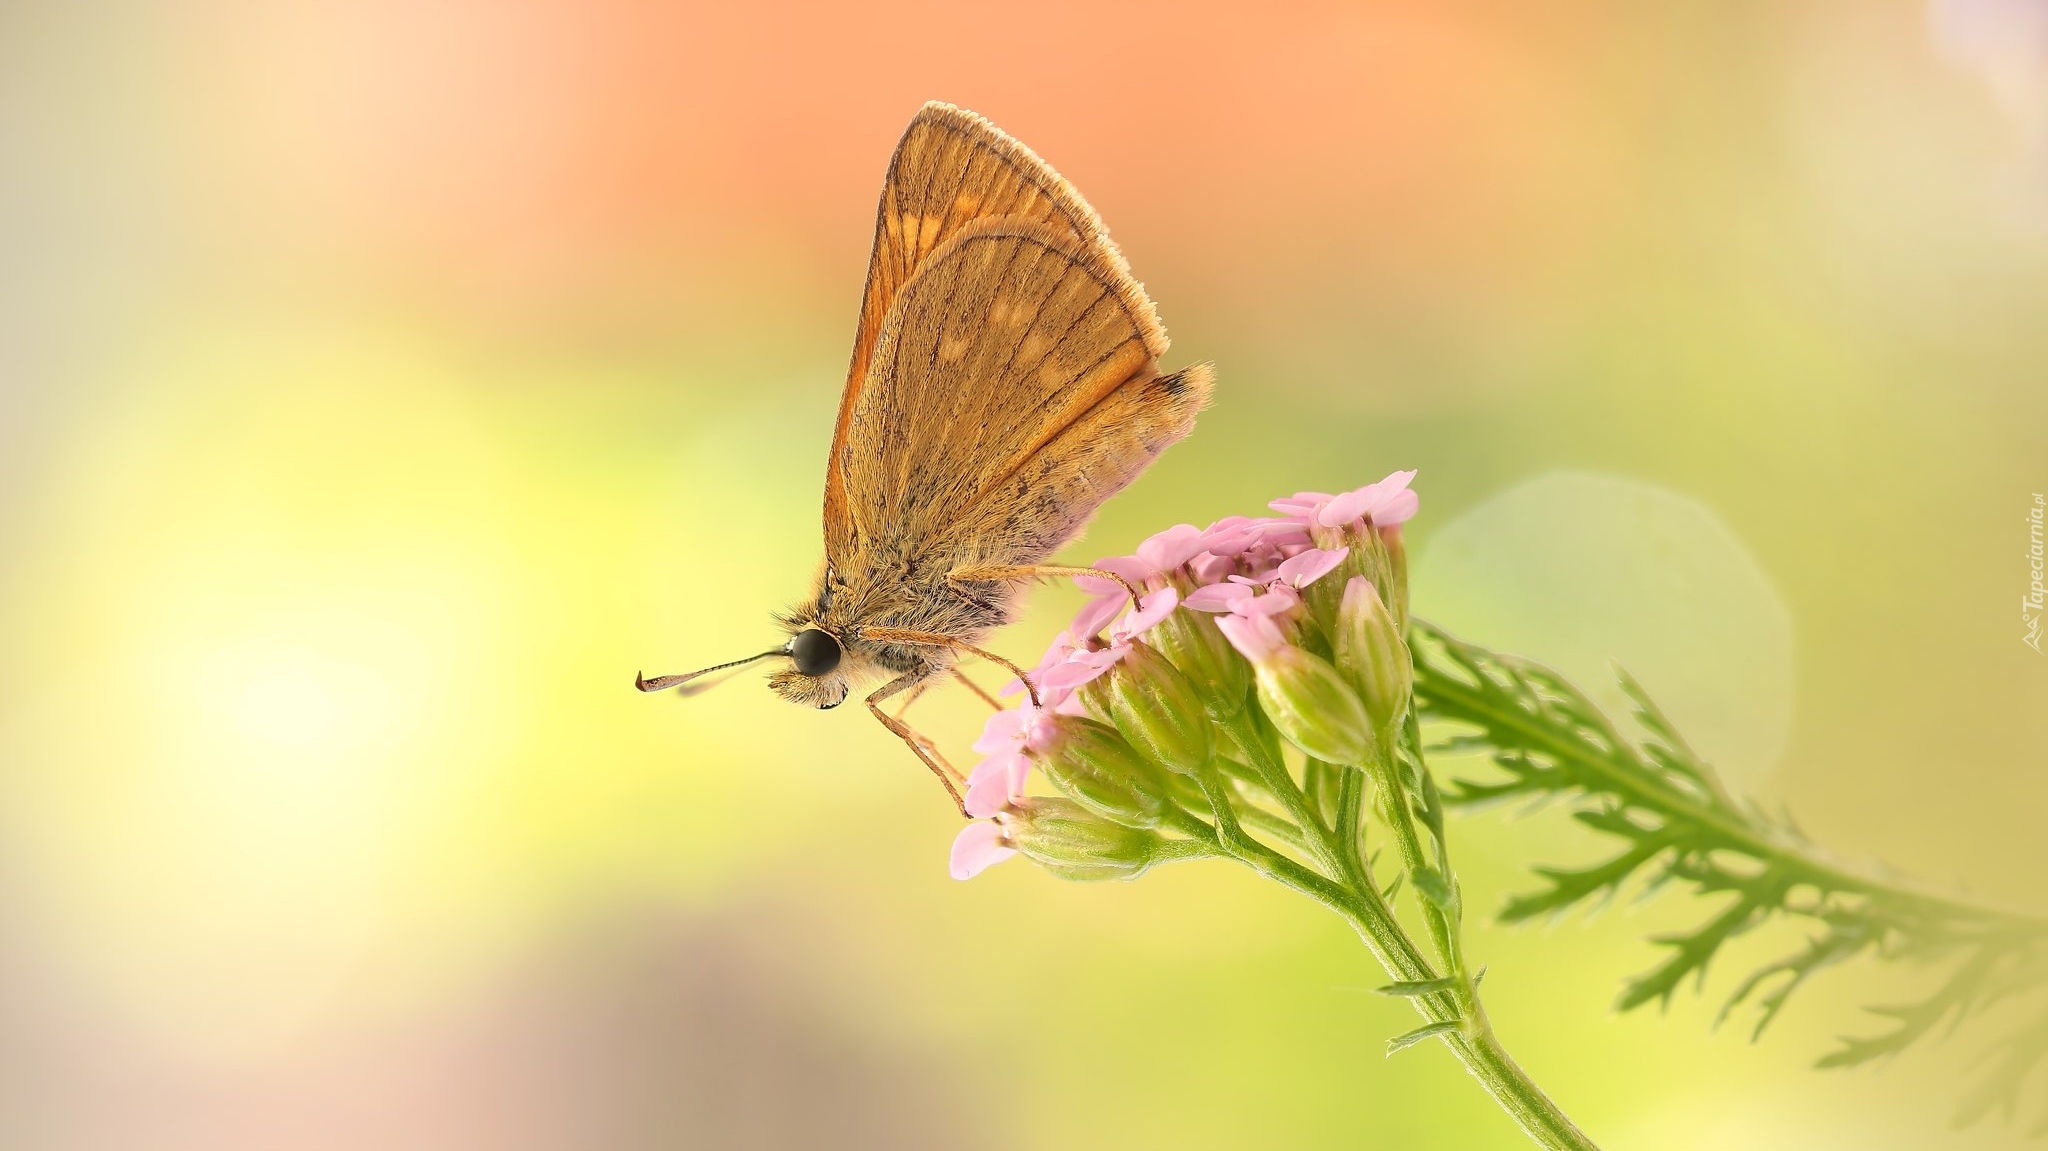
(1005, 382)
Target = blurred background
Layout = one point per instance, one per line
(382, 384)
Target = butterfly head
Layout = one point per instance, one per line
(817, 671)
(826, 654)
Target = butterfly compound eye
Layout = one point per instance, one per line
(815, 652)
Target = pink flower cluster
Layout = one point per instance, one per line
(1245, 572)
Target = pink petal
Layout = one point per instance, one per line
(1300, 503)
(1310, 566)
(1020, 770)
(1058, 652)
(1389, 501)
(1129, 567)
(1225, 544)
(1279, 601)
(1091, 619)
(1396, 482)
(1357, 589)
(1278, 532)
(1171, 548)
(1082, 667)
(1217, 596)
(1256, 637)
(1343, 509)
(1400, 509)
(995, 783)
(1228, 536)
(1102, 658)
(1000, 732)
(1065, 677)
(978, 847)
(1040, 728)
(1151, 610)
(1211, 567)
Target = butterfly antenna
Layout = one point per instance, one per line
(664, 682)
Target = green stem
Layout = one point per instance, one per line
(1349, 828)
(1368, 913)
(1176, 850)
(1532, 1110)
(1272, 773)
(1474, 1043)
(1249, 786)
(1390, 799)
(1353, 896)
(1230, 837)
(1259, 819)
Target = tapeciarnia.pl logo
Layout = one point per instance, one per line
(2031, 606)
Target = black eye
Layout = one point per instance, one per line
(815, 652)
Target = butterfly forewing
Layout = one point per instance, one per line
(951, 168)
(1010, 339)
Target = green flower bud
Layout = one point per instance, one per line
(1191, 643)
(1158, 710)
(1312, 705)
(1320, 600)
(1368, 647)
(1097, 769)
(1365, 555)
(1397, 575)
(1074, 843)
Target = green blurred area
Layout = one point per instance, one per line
(380, 387)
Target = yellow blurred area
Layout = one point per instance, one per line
(382, 385)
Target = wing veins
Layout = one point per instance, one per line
(1029, 453)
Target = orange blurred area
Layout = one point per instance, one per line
(382, 384)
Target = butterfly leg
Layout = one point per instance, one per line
(954, 643)
(923, 741)
(917, 693)
(977, 689)
(993, 572)
(912, 695)
(924, 750)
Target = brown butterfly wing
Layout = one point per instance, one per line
(1057, 488)
(1012, 388)
(951, 167)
